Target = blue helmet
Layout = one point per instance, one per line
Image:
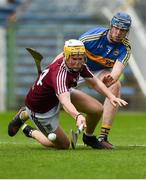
(121, 20)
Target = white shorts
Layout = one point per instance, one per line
(83, 86)
(81, 81)
(45, 122)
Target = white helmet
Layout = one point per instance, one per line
(73, 47)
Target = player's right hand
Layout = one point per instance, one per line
(81, 121)
(108, 80)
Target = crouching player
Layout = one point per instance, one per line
(54, 87)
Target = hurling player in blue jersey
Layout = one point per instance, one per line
(108, 51)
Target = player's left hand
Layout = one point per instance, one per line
(114, 101)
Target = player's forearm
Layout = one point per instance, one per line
(67, 104)
(99, 86)
(117, 70)
(70, 109)
(79, 118)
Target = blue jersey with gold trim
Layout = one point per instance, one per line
(101, 53)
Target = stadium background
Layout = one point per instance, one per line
(45, 25)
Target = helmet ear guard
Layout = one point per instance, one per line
(121, 20)
(73, 47)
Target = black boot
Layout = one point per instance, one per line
(105, 143)
(91, 141)
(15, 124)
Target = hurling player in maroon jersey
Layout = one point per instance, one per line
(53, 88)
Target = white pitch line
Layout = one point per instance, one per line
(19, 143)
(129, 145)
(137, 145)
(79, 144)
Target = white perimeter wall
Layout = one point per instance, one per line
(3, 2)
(2, 69)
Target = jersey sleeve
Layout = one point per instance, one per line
(126, 52)
(59, 81)
(92, 35)
(125, 55)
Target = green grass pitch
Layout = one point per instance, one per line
(23, 158)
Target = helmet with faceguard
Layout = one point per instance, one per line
(121, 20)
(73, 47)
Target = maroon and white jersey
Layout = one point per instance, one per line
(54, 80)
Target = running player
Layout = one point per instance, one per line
(108, 51)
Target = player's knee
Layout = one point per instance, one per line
(100, 110)
(118, 84)
(65, 145)
(115, 88)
